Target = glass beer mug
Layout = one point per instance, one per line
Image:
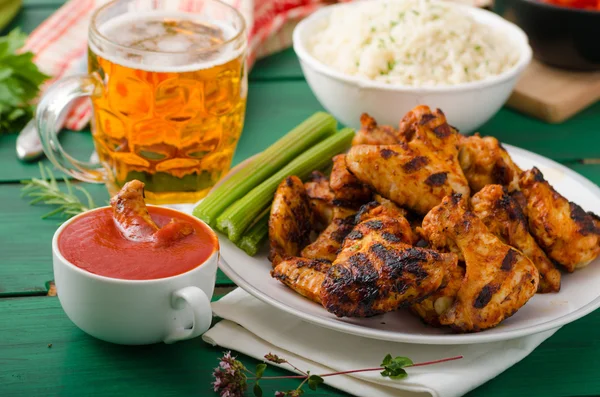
(168, 84)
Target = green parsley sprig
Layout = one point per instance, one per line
(20, 81)
(47, 191)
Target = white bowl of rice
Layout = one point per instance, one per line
(384, 57)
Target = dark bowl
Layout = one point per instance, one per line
(565, 37)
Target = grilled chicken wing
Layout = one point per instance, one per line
(499, 280)
(130, 212)
(172, 232)
(431, 308)
(417, 174)
(320, 198)
(485, 162)
(328, 243)
(503, 216)
(376, 272)
(305, 276)
(568, 234)
(290, 220)
(131, 216)
(347, 188)
(372, 134)
(384, 207)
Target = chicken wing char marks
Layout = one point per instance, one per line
(503, 216)
(348, 190)
(290, 220)
(568, 234)
(328, 243)
(343, 241)
(320, 199)
(485, 162)
(377, 271)
(372, 134)
(305, 276)
(498, 281)
(417, 173)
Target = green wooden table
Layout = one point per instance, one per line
(43, 353)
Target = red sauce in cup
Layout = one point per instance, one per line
(581, 4)
(93, 243)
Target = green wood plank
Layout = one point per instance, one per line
(283, 65)
(77, 364)
(576, 138)
(79, 144)
(564, 365)
(590, 171)
(25, 243)
(43, 3)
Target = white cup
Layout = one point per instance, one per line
(136, 312)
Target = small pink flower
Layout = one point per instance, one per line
(230, 377)
(225, 365)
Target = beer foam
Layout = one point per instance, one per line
(168, 54)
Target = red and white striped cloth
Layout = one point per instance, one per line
(60, 42)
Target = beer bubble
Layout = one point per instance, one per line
(168, 42)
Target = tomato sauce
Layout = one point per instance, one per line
(94, 243)
(581, 4)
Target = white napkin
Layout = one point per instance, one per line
(255, 328)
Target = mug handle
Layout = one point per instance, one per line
(200, 304)
(48, 116)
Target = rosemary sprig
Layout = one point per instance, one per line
(47, 191)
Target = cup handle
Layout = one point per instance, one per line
(200, 304)
(54, 102)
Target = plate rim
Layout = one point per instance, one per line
(446, 339)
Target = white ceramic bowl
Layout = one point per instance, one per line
(467, 105)
(136, 312)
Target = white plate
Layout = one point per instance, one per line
(579, 293)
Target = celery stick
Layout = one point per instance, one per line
(311, 131)
(253, 239)
(238, 217)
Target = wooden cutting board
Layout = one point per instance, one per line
(554, 95)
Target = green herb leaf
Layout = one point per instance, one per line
(314, 381)
(393, 367)
(386, 360)
(20, 80)
(257, 390)
(260, 369)
(397, 375)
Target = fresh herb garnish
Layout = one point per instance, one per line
(20, 80)
(47, 191)
(231, 376)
